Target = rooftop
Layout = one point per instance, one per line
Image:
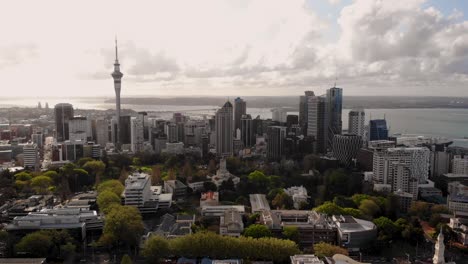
(259, 202)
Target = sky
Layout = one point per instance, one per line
(234, 48)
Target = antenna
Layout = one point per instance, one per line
(116, 51)
(334, 85)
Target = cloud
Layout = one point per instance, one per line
(14, 54)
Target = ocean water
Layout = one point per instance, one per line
(449, 123)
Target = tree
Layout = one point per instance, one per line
(107, 198)
(329, 208)
(291, 233)
(387, 228)
(209, 186)
(352, 212)
(171, 174)
(67, 250)
(36, 244)
(123, 225)
(81, 162)
(369, 208)
(343, 201)
(358, 198)
(283, 201)
(53, 175)
(112, 185)
(41, 184)
(212, 166)
(23, 176)
(259, 181)
(187, 171)
(155, 175)
(123, 175)
(155, 248)
(323, 249)
(257, 231)
(420, 210)
(126, 259)
(96, 168)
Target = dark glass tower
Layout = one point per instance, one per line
(378, 130)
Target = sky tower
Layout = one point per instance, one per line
(117, 76)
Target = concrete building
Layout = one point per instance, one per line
(222, 174)
(79, 125)
(279, 115)
(460, 164)
(231, 223)
(247, 131)
(378, 130)
(298, 195)
(209, 198)
(63, 113)
(259, 203)
(139, 193)
(31, 156)
(354, 233)
(305, 259)
(303, 110)
(177, 188)
(219, 210)
(317, 122)
(334, 108)
(404, 200)
(224, 130)
(346, 147)
(240, 109)
(417, 159)
(356, 122)
(102, 132)
(137, 133)
(175, 148)
(313, 227)
(275, 142)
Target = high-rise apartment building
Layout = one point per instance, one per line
(334, 104)
(240, 109)
(63, 113)
(378, 130)
(416, 159)
(224, 130)
(171, 132)
(275, 142)
(356, 122)
(137, 134)
(460, 165)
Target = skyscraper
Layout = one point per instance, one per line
(275, 142)
(356, 122)
(303, 112)
(279, 114)
(317, 121)
(334, 108)
(137, 133)
(63, 113)
(247, 131)
(224, 130)
(117, 76)
(125, 130)
(378, 130)
(240, 109)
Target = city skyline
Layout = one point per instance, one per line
(372, 47)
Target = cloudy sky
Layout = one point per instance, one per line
(234, 47)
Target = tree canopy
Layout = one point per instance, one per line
(323, 249)
(123, 225)
(112, 185)
(257, 231)
(107, 198)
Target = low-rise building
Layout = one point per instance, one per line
(259, 203)
(298, 195)
(231, 223)
(222, 175)
(177, 188)
(305, 259)
(460, 227)
(313, 227)
(404, 200)
(209, 198)
(218, 210)
(139, 193)
(354, 233)
(457, 203)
